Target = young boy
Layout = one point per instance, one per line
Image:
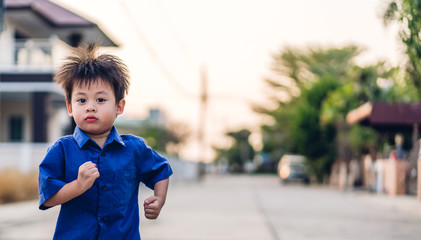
(94, 174)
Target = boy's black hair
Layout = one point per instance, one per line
(85, 66)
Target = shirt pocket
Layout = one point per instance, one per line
(125, 185)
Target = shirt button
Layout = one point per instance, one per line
(104, 187)
(102, 154)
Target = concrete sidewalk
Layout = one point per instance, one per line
(259, 207)
(221, 207)
(24, 221)
(249, 208)
(218, 208)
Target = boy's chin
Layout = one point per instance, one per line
(95, 132)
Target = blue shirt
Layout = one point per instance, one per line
(109, 209)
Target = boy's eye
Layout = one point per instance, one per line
(82, 100)
(101, 100)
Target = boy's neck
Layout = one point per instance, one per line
(100, 139)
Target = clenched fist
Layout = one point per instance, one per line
(152, 206)
(88, 172)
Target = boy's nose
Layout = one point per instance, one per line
(91, 109)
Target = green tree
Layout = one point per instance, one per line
(373, 83)
(308, 134)
(167, 139)
(362, 139)
(303, 80)
(313, 92)
(240, 151)
(295, 69)
(408, 14)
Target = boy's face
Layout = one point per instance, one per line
(94, 108)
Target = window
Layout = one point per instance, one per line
(16, 129)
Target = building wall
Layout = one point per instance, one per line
(24, 157)
(7, 45)
(18, 107)
(58, 121)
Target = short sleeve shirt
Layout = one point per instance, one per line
(109, 209)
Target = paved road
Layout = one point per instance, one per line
(250, 208)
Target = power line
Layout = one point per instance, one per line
(154, 55)
(170, 27)
(202, 113)
(164, 70)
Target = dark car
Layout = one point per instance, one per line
(293, 168)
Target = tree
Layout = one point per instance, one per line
(408, 14)
(296, 69)
(313, 92)
(239, 153)
(311, 137)
(303, 80)
(167, 139)
(373, 83)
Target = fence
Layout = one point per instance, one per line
(26, 157)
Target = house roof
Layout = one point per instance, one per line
(43, 18)
(386, 114)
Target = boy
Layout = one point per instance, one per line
(95, 173)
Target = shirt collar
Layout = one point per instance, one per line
(81, 138)
(114, 137)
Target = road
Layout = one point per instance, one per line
(250, 208)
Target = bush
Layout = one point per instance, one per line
(16, 186)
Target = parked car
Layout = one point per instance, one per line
(293, 168)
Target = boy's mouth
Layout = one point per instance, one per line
(91, 119)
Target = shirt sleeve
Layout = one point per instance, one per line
(51, 174)
(154, 167)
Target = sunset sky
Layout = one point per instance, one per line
(166, 43)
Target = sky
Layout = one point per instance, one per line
(169, 45)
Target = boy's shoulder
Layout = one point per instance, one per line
(64, 141)
(60, 145)
(132, 139)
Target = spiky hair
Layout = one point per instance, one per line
(85, 66)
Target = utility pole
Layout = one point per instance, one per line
(202, 114)
(2, 17)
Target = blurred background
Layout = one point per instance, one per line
(323, 92)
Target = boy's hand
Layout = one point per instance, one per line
(153, 206)
(87, 175)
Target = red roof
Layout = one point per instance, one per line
(40, 18)
(18, 3)
(387, 114)
(394, 113)
(50, 11)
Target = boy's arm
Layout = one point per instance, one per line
(154, 204)
(86, 178)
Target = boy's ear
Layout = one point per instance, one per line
(120, 106)
(69, 109)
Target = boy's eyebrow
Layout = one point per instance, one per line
(102, 92)
(99, 92)
(79, 93)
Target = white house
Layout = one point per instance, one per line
(36, 34)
